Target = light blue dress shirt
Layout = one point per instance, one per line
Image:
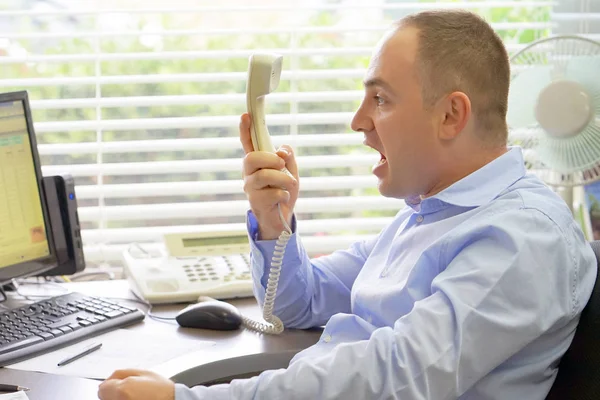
(474, 293)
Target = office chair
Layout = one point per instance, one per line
(579, 370)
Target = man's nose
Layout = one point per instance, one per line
(361, 122)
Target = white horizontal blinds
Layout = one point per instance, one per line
(140, 101)
(580, 17)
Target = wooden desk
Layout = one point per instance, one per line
(236, 352)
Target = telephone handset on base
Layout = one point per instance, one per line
(264, 71)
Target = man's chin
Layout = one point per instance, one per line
(387, 190)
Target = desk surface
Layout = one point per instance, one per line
(235, 352)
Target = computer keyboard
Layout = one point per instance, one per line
(48, 324)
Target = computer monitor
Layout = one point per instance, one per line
(26, 246)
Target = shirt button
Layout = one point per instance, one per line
(327, 339)
(420, 218)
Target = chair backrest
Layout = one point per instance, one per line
(579, 370)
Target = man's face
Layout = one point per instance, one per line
(394, 121)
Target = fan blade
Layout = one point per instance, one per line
(573, 154)
(584, 63)
(522, 97)
(586, 71)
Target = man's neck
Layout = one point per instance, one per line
(460, 167)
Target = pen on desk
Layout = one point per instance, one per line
(12, 388)
(89, 349)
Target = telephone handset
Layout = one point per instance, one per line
(264, 71)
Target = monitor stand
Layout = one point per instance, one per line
(7, 287)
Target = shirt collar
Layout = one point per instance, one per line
(478, 188)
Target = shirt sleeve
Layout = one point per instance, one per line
(500, 287)
(309, 291)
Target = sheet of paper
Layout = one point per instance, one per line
(14, 396)
(120, 349)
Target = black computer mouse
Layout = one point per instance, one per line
(213, 314)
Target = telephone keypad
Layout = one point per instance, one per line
(226, 268)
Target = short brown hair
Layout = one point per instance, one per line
(459, 51)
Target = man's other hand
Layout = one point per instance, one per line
(133, 384)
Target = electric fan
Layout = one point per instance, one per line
(554, 110)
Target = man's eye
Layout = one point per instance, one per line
(379, 100)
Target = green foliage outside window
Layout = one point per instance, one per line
(136, 44)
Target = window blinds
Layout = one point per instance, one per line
(580, 17)
(140, 102)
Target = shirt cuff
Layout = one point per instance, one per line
(252, 225)
(216, 392)
(261, 251)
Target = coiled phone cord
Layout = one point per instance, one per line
(274, 325)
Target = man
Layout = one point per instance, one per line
(473, 291)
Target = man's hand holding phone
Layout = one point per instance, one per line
(266, 185)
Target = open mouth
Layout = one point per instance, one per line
(382, 159)
(382, 162)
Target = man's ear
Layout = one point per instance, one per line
(455, 111)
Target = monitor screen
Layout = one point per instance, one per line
(25, 236)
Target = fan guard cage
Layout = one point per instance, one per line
(555, 54)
